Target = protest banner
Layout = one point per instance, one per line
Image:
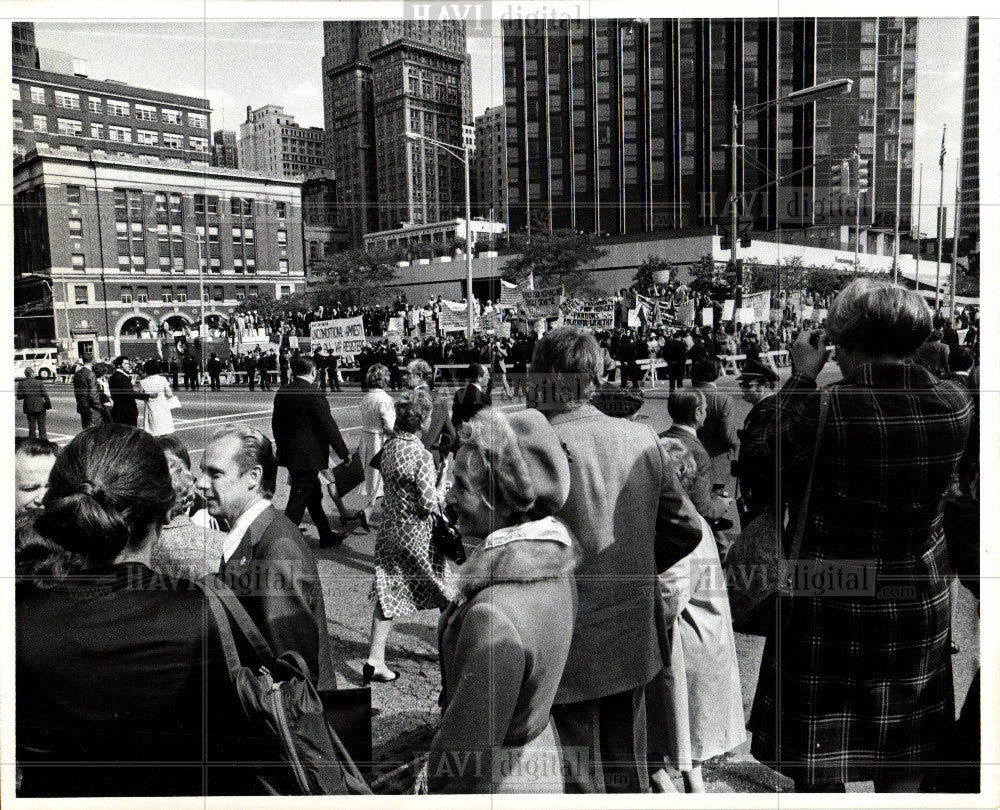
(776, 315)
(543, 303)
(504, 329)
(807, 312)
(451, 318)
(510, 295)
(487, 322)
(708, 317)
(342, 337)
(727, 309)
(396, 324)
(634, 321)
(746, 316)
(795, 299)
(760, 303)
(662, 276)
(589, 314)
(685, 313)
(293, 342)
(819, 315)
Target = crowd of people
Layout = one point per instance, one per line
(586, 644)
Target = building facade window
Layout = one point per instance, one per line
(37, 95)
(97, 132)
(75, 228)
(40, 123)
(126, 295)
(146, 137)
(73, 195)
(119, 109)
(181, 295)
(279, 210)
(78, 262)
(282, 238)
(95, 105)
(283, 266)
(197, 120)
(173, 141)
(120, 134)
(145, 113)
(170, 116)
(129, 227)
(285, 292)
(18, 122)
(69, 126)
(15, 90)
(80, 295)
(167, 295)
(71, 101)
(142, 295)
(198, 144)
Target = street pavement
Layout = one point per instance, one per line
(406, 711)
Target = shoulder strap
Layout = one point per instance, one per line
(225, 632)
(226, 606)
(800, 523)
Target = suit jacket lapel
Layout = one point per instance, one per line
(243, 557)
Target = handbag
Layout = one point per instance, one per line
(348, 475)
(446, 538)
(349, 713)
(376, 461)
(173, 402)
(757, 571)
(306, 756)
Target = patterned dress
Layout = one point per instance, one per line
(410, 574)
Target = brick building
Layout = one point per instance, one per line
(118, 243)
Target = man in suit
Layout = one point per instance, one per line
(674, 353)
(440, 436)
(265, 559)
(304, 431)
(124, 411)
(214, 369)
(630, 519)
(88, 395)
(31, 391)
(190, 368)
(474, 397)
(688, 409)
(720, 432)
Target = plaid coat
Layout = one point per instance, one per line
(860, 684)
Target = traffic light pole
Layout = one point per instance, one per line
(856, 161)
(734, 218)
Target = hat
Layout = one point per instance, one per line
(755, 370)
(545, 458)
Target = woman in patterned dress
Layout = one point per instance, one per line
(378, 418)
(409, 572)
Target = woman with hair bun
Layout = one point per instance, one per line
(121, 688)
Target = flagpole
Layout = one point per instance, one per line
(940, 228)
(920, 205)
(954, 247)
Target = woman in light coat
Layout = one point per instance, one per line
(505, 638)
(378, 418)
(695, 704)
(157, 419)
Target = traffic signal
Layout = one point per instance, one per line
(864, 170)
(840, 178)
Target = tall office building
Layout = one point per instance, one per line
(491, 164)
(225, 152)
(59, 112)
(969, 225)
(623, 126)
(382, 79)
(272, 143)
(24, 52)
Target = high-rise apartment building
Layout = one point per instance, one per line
(623, 126)
(225, 151)
(969, 226)
(382, 79)
(59, 112)
(272, 143)
(491, 164)
(24, 52)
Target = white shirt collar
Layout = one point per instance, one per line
(548, 528)
(240, 528)
(686, 428)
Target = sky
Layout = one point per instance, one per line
(252, 62)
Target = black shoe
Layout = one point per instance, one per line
(358, 516)
(332, 540)
(368, 675)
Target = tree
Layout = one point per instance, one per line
(967, 278)
(708, 278)
(557, 259)
(642, 282)
(355, 277)
(266, 305)
(759, 276)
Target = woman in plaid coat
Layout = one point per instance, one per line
(859, 685)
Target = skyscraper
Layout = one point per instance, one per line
(224, 150)
(491, 164)
(24, 52)
(382, 79)
(969, 226)
(623, 126)
(272, 143)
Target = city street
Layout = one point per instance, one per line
(406, 711)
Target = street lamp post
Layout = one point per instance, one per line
(796, 97)
(464, 159)
(197, 238)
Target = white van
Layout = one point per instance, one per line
(43, 361)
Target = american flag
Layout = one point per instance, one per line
(943, 150)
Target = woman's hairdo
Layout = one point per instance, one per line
(508, 482)
(420, 368)
(377, 376)
(108, 486)
(412, 410)
(684, 463)
(572, 359)
(878, 318)
(151, 367)
(181, 477)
